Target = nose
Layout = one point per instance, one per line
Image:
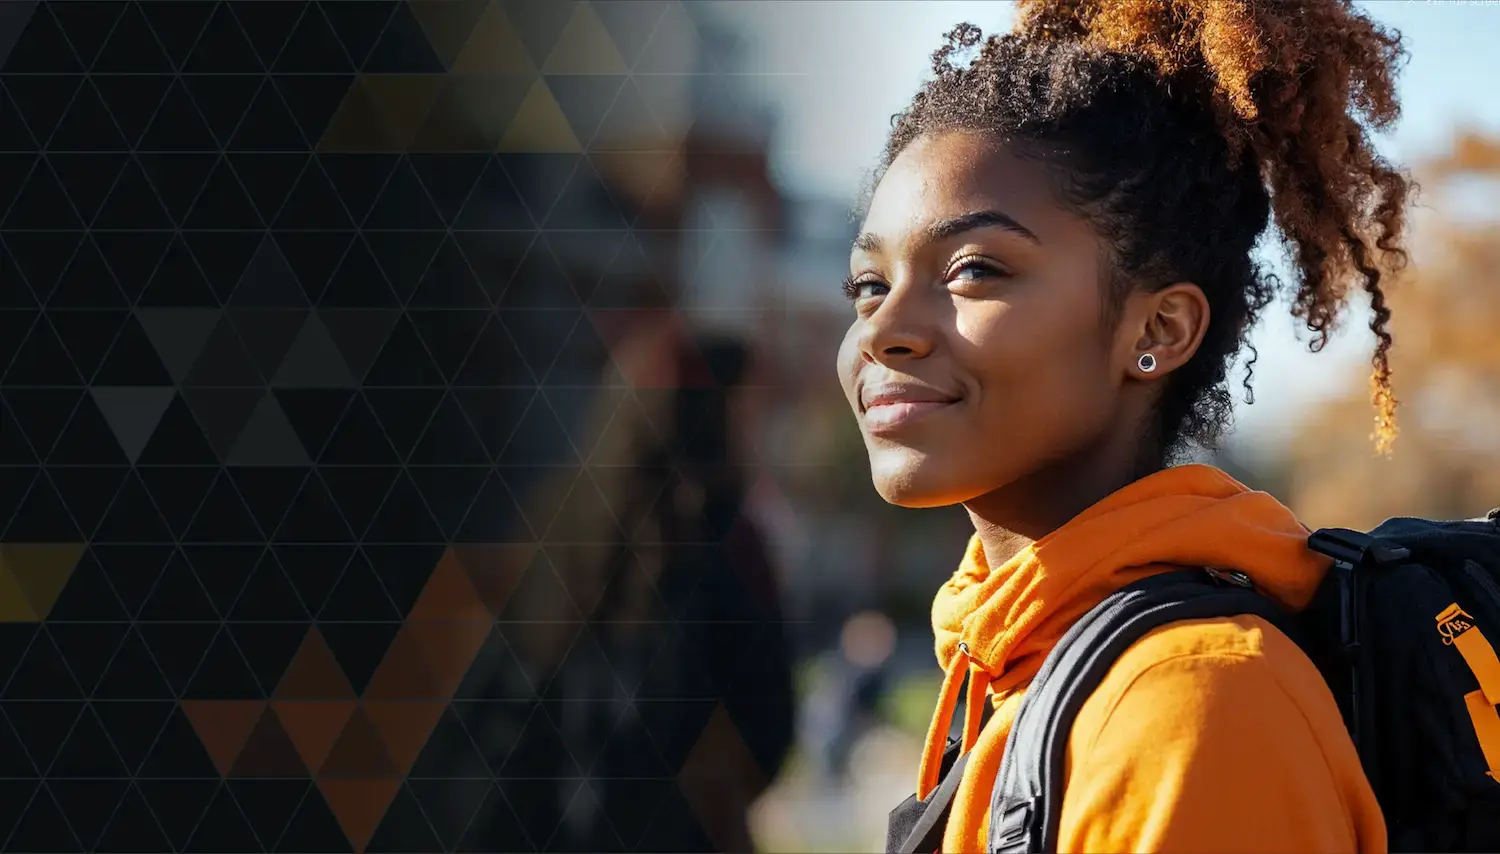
(900, 328)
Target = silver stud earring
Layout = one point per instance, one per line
(1147, 363)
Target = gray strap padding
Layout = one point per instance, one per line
(937, 807)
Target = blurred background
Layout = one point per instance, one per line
(801, 95)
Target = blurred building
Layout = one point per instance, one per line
(643, 697)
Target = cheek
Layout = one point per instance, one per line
(1041, 363)
(848, 362)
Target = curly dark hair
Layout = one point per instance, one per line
(1181, 129)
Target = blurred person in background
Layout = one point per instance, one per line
(864, 650)
(845, 703)
(675, 700)
(1053, 276)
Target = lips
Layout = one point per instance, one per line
(894, 405)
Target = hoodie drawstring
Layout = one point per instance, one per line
(942, 719)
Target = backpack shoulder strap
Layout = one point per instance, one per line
(926, 834)
(917, 826)
(1028, 793)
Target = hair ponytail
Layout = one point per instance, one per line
(1297, 86)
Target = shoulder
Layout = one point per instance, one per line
(1202, 729)
(1202, 672)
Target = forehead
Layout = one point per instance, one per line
(942, 176)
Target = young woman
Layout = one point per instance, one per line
(1053, 276)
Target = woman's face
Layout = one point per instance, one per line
(977, 355)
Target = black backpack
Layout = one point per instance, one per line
(1397, 630)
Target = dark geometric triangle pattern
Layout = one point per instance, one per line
(361, 489)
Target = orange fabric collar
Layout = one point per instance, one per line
(997, 624)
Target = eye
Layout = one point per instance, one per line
(976, 270)
(855, 290)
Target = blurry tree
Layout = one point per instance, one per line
(1446, 363)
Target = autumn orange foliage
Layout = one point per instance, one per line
(1446, 320)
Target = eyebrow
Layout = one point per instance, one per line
(867, 242)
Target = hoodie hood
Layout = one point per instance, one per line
(998, 623)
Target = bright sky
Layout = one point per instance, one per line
(837, 70)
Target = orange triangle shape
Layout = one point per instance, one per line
(314, 674)
(314, 726)
(494, 569)
(404, 727)
(449, 649)
(13, 605)
(359, 805)
(539, 125)
(404, 673)
(493, 47)
(448, 595)
(447, 24)
(718, 747)
(42, 570)
(358, 752)
(223, 726)
(269, 752)
(585, 47)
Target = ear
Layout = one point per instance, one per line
(1169, 324)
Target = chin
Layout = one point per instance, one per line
(913, 499)
(909, 478)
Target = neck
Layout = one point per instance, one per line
(1018, 514)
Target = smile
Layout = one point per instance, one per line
(889, 417)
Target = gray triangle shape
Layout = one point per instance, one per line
(631, 26)
(223, 413)
(178, 335)
(360, 333)
(13, 19)
(539, 25)
(628, 121)
(132, 413)
(314, 360)
(269, 440)
(268, 281)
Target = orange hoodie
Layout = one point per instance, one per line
(1207, 735)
